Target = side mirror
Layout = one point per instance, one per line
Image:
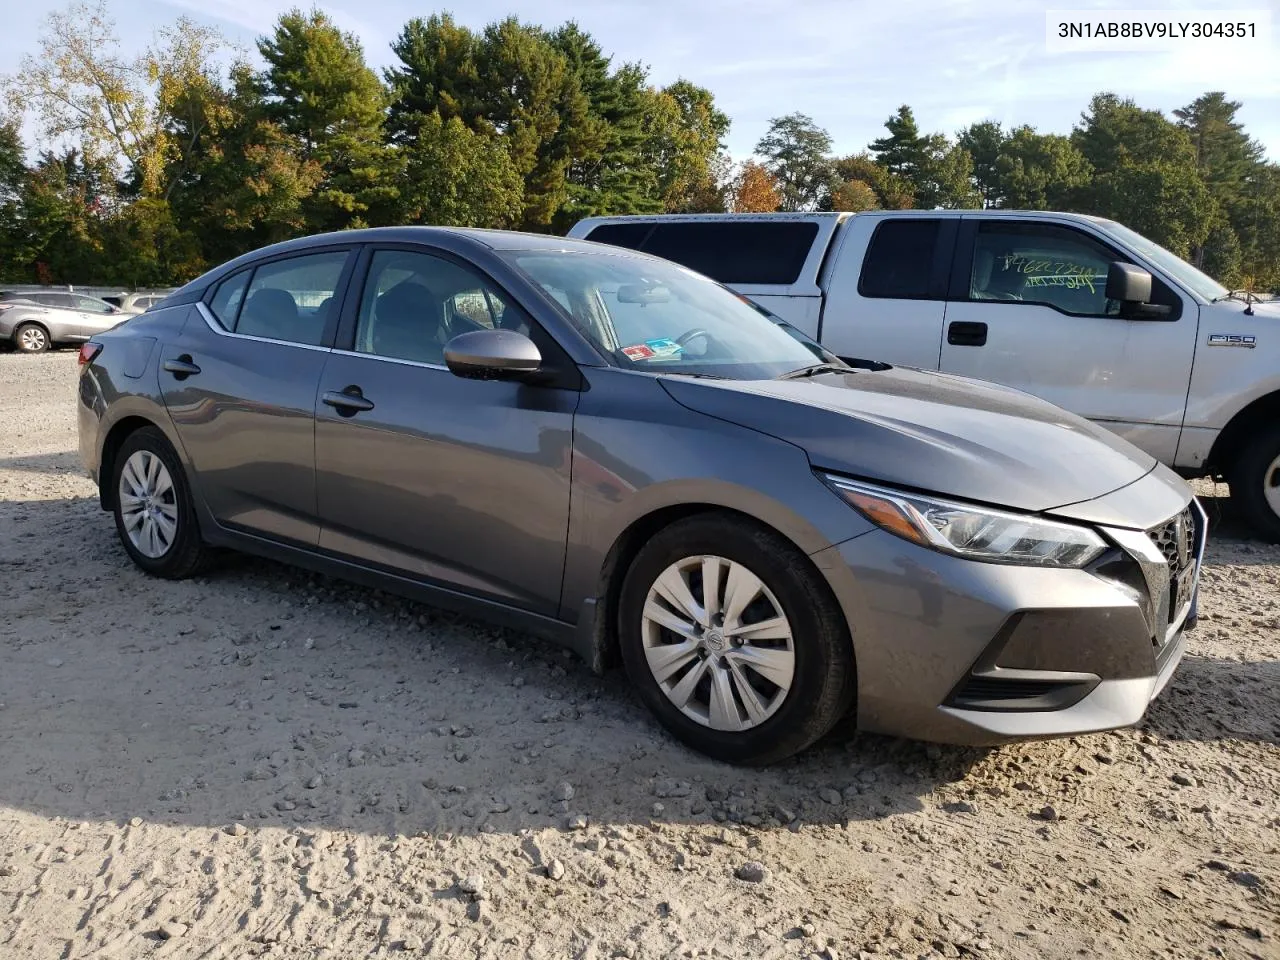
(1128, 283)
(491, 355)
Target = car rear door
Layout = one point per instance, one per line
(457, 482)
(240, 384)
(1028, 308)
(886, 289)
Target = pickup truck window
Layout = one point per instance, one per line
(899, 260)
(733, 252)
(1042, 263)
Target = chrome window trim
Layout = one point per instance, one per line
(377, 356)
(212, 322)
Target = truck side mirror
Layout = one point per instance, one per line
(1128, 283)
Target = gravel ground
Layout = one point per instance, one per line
(262, 762)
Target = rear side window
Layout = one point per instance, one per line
(629, 235)
(900, 260)
(226, 301)
(763, 252)
(290, 299)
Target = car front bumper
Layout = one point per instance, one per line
(958, 651)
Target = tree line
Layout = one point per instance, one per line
(184, 156)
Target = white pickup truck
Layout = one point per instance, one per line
(1081, 311)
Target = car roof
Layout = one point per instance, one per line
(503, 240)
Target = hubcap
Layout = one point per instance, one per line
(718, 643)
(1271, 486)
(33, 339)
(148, 504)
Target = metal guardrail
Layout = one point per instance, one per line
(89, 290)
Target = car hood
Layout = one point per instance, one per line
(931, 432)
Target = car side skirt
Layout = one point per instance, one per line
(557, 631)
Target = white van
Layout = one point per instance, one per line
(1081, 311)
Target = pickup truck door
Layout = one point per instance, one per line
(886, 293)
(1027, 308)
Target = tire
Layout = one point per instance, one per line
(820, 686)
(31, 338)
(1255, 483)
(177, 551)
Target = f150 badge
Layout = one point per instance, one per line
(1233, 340)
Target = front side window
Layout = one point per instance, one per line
(90, 305)
(899, 261)
(655, 316)
(290, 299)
(1044, 264)
(414, 303)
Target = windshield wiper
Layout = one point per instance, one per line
(813, 371)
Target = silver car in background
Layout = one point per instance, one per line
(34, 322)
(620, 454)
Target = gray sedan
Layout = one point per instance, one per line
(34, 322)
(621, 455)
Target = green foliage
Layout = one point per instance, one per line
(1037, 171)
(796, 151)
(985, 142)
(318, 90)
(892, 191)
(455, 177)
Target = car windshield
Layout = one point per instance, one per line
(656, 316)
(1198, 282)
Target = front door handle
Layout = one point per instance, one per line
(964, 333)
(182, 367)
(348, 401)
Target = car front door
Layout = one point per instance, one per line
(456, 482)
(1028, 308)
(240, 384)
(94, 316)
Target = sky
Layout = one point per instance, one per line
(848, 64)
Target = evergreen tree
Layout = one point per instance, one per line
(902, 152)
(984, 142)
(319, 91)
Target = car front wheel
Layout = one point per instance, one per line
(31, 338)
(733, 640)
(154, 514)
(1255, 483)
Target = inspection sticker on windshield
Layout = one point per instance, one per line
(662, 349)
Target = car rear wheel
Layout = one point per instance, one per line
(154, 515)
(1255, 483)
(31, 338)
(733, 640)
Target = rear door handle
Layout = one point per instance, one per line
(182, 367)
(347, 401)
(964, 333)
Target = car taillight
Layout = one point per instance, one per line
(88, 351)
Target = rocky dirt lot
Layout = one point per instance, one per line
(262, 762)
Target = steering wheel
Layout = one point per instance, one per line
(693, 334)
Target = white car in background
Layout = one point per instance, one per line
(34, 322)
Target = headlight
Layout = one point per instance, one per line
(966, 530)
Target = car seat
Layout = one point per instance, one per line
(406, 323)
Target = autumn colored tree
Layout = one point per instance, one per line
(754, 190)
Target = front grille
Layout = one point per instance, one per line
(1176, 540)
